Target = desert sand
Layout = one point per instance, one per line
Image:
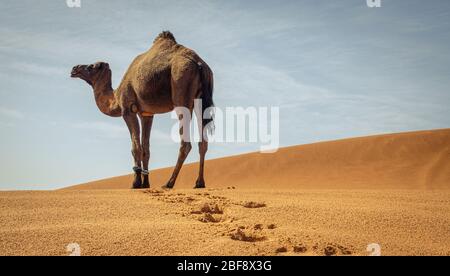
(329, 198)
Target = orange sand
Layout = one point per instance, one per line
(414, 160)
(331, 198)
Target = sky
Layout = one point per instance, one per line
(335, 69)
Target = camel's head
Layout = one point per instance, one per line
(92, 73)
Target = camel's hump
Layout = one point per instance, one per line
(165, 35)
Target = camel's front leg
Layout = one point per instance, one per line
(146, 123)
(133, 126)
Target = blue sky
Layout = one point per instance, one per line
(336, 69)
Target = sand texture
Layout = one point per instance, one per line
(330, 198)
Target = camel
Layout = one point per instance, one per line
(166, 76)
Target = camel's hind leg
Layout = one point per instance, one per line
(185, 86)
(185, 147)
(203, 148)
(185, 81)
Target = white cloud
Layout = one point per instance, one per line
(161, 138)
(11, 113)
(7, 125)
(38, 69)
(103, 129)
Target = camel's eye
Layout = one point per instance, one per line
(90, 67)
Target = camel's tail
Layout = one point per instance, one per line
(206, 77)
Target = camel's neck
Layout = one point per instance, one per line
(106, 99)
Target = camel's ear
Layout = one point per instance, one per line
(102, 65)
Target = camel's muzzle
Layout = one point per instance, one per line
(76, 71)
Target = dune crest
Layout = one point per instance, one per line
(412, 160)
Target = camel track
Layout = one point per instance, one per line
(218, 211)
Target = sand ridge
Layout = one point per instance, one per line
(412, 160)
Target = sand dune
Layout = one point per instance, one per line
(331, 198)
(413, 160)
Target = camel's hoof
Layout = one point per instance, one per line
(146, 185)
(137, 185)
(200, 184)
(200, 187)
(166, 187)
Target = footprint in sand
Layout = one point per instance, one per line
(332, 249)
(258, 227)
(202, 194)
(209, 212)
(282, 249)
(300, 248)
(271, 226)
(252, 204)
(253, 233)
(169, 197)
(327, 249)
(209, 218)
(247, 235)
(335, 249)
(210, 208)
(154, 192)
